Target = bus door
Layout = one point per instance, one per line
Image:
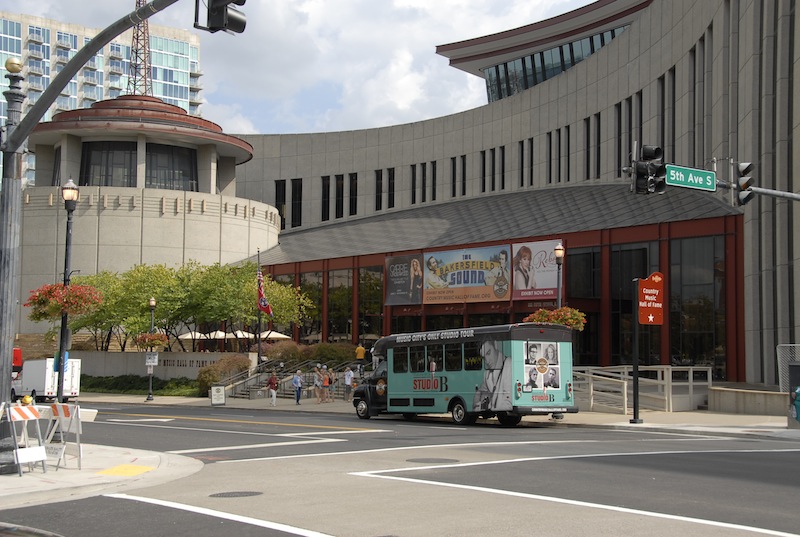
(378, 387)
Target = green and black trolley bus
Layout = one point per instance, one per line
(505, 371)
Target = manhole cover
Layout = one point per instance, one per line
(236, 494)
(436, 461)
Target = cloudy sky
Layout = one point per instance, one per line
(328, 65)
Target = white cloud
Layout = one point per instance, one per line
(231, 117)
(318, 65)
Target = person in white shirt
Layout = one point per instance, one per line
(348, 384)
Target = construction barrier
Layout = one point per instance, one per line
(20, 416)
(65, 423)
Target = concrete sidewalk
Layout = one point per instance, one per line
(107, 469)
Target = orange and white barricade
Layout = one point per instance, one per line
(65, 421)
(19, 416)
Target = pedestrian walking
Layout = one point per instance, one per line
(348, 384)
(318, 384)
(297, 384)
(272, 385)
(326, 384)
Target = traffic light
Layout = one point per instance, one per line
(744, 182)
(223, 16)
(649, 173)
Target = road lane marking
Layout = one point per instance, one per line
(255, 446)
(458, 445)
(139, 420)
(249, 433)
(382, 474)
(406, 448)
(282, 424)
(222, 515)
(373, 473)
(592, 505)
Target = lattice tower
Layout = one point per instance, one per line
(140, 81)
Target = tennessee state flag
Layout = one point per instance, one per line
(263, 304)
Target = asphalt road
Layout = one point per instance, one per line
(317, 474)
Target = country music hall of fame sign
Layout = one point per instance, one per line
(651, 300)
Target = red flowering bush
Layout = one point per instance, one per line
(147, 340)
(50, 301)
(571, 317)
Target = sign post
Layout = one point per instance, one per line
(150, 360)
(649, 311)
(691, 178)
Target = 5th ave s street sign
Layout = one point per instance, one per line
(691, 178)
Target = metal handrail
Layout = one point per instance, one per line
(655, 393)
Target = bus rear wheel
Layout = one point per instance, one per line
(410, 416)
(508, 420)
(460, 414)
(362, 410)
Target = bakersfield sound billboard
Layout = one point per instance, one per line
(468, 275)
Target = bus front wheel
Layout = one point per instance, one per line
(460, 414)
(362, 409)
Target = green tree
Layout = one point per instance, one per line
(141, 283)
(188, 297)
(104, 323)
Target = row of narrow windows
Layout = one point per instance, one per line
(512, 77)
(551, 151)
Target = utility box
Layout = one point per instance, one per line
(794, 395)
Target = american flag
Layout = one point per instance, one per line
(263, 303)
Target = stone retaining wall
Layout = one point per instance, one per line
(753, 402)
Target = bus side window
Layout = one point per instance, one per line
(452, 357)
(473, 360)
(417, 355)
(400, 360)
(435, 357)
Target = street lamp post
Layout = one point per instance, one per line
(70, 194)
(10, 223)
(152, 331)
(559, 251)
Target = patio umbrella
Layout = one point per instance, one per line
(216, 334)
(271, 334)
(192, 335)
(241, 334)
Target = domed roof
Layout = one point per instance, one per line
(130, 115)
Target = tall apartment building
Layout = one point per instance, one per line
(46, 45)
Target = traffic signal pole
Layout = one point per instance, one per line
(11, 194)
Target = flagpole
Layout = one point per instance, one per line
(258, 333)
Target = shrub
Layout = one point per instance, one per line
(146, 340)
(221, 369)
(571, 317)
(134, 384)
(284, 351)
(333, 353)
